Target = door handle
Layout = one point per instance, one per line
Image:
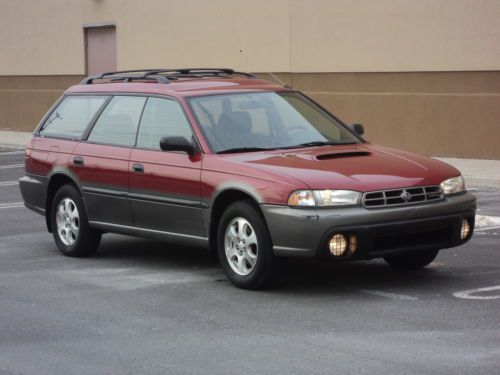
(138, 168)
(78, 160)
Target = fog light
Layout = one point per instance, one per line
(338, 245)
(465, 230)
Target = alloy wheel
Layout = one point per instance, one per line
(241, 246)
(68, 221)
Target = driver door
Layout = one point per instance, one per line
(165, 186)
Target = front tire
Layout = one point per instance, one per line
(70, 227)
(413, 261)
(245, 249)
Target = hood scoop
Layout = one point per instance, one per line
(346, 154)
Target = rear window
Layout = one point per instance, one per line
(72, 116)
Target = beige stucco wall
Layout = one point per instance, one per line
(46, 37)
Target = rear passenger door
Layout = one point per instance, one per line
(165, 186)
(101, 161)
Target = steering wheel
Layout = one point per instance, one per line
(287, 131)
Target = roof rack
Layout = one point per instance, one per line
(164, 75)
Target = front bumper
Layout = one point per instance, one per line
(380, 231)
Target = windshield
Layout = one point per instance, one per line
(266, 120)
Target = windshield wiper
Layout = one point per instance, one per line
(319, 143)
(243, 149)
(313, 144)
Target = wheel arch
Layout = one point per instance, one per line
(223, 198)
(56, 180)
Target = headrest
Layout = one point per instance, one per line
(239, 121)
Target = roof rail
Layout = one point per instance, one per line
(164, 75)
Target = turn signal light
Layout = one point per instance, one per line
(465, 229)
(353, 243)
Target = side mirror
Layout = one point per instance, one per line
(358, 129)
(178, 144)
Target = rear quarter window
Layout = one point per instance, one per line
(72, 116)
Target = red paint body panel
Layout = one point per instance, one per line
(45, 154)
(383, 168)
(180, 88)
(105, 166)
(181, 171)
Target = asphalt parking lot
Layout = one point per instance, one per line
(147, 307)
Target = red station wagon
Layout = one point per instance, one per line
(252, 171)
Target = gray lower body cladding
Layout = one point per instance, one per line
(33, 189)
(381, 231)
(306, 231)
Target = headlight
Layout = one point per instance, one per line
(324, 198)
(453, 185)
(301, 198)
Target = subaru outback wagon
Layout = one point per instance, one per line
(249, 170)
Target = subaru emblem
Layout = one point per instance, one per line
(405, 196)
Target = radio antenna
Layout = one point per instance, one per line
(280, 81)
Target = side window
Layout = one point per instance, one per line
(162, 118)
(72, 116)
(117, 124)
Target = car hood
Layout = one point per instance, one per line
(363, 167)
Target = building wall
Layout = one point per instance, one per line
(421, 75)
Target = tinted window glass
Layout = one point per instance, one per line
(118, 122)
(162, 118)
(72, 116)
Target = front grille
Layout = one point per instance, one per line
(402, 197)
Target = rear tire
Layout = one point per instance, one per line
(245, 249)
(70, 227)
(413, 261)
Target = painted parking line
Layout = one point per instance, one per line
(9, 183)
(11, 205)
(396, 296)
(12, 166)
(472, 293)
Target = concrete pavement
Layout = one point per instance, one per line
(477, 172)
